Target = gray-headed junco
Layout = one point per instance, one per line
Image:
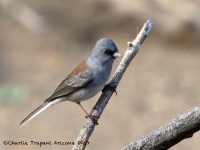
(86, 80)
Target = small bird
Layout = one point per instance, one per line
(86, 80)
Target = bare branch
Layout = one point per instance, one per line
(130, 53)
(178, 129)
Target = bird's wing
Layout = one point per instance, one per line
(79, 78)
(74, 81)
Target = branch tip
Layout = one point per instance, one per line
(148, 25)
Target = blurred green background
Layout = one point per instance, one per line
(42, 41)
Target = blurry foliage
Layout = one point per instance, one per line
(12, 94)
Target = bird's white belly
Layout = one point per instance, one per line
(84, 94)
(90, 90)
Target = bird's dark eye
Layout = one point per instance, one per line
(108, 52)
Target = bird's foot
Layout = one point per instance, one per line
(110, 86)
(93, 118)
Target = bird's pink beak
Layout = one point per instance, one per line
(117, 54)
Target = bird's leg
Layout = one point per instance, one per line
(83, 108)
(110, 86)
(93, 118)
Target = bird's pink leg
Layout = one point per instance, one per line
(93, 118)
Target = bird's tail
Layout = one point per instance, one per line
(38, 110)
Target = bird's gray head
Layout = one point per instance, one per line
(105, 51)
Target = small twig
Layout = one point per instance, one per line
(178, 129)
(130, 53)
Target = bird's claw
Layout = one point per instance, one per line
(111, 87)
(93, 118)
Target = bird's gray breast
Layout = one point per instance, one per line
(101, 76)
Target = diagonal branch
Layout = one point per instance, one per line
(130, 53)
(178, 129)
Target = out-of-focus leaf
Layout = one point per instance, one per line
(10, 94)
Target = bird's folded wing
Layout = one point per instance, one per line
(72, 83)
